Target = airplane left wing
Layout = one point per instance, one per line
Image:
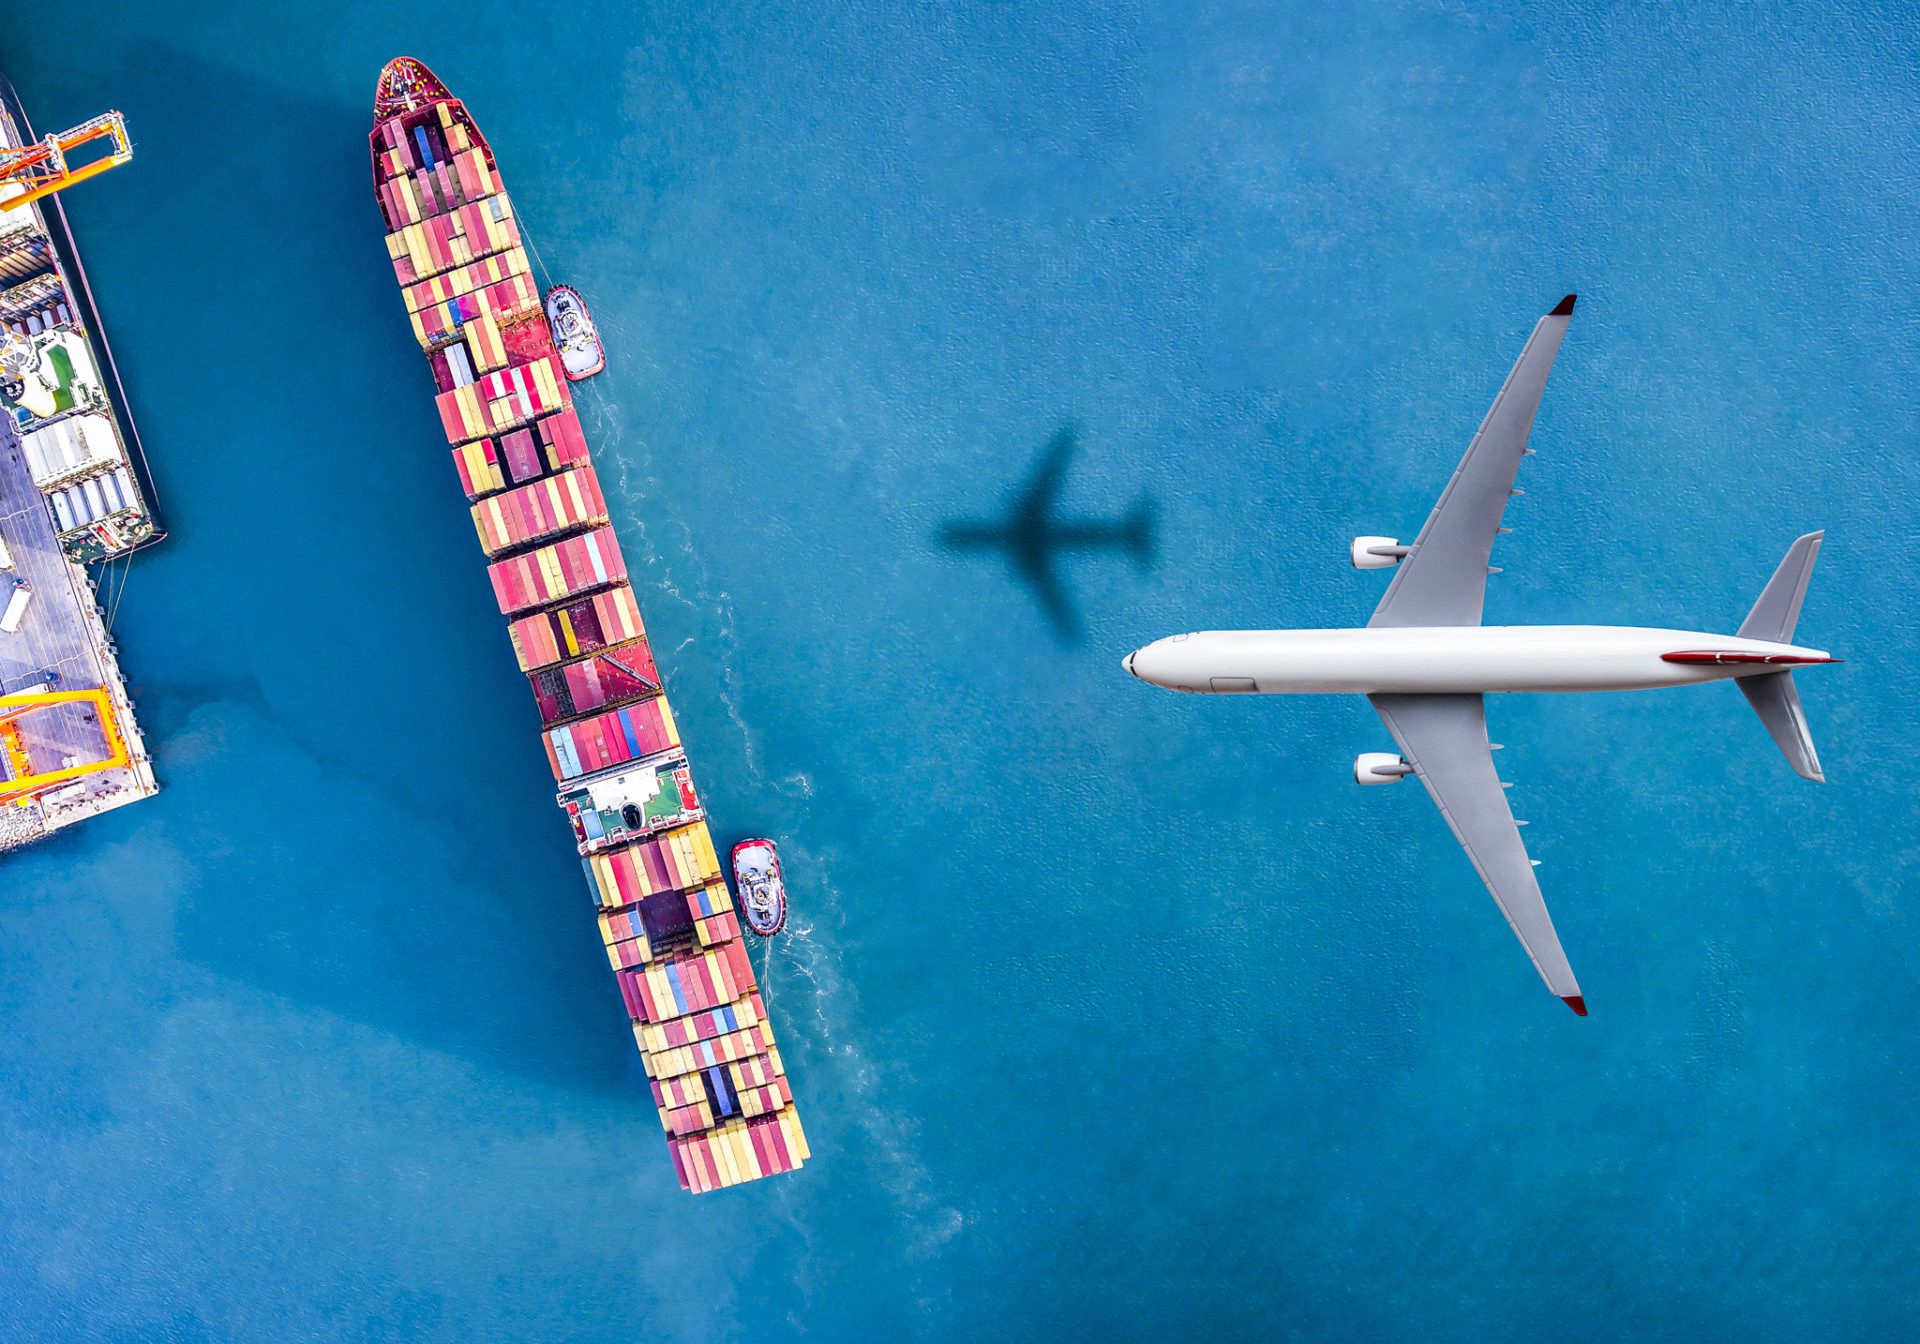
(1444, 738)
(1041, 493)
(1443, 580)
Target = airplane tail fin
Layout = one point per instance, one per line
(1772, 694)
(1137, 531)
(1778, 610)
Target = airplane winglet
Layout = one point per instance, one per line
(1575, 1002)
(1564, 308)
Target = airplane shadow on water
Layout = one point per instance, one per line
(1033, 535)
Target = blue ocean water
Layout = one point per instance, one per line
(1112, 1013)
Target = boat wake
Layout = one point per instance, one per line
(805, 973)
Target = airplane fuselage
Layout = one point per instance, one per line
(1455, 660)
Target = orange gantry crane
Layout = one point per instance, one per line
(26, 783)
(42, 168)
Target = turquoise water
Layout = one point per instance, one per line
(1112, 1013)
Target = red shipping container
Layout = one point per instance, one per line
(709, 992)
(761, 1150)
(566, 441)
(776, 1140)
(736, 954)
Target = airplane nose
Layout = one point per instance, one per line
(1127, 663)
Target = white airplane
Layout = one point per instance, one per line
(1426, 662)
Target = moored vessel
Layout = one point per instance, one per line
(762, 891)
(574, 335)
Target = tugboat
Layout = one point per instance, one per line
(756, 877)
(574, 334)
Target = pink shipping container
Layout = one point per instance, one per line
(593, 623)
(591, 745)
(557, 504)
(557, 571)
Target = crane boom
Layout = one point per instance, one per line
(29, 172)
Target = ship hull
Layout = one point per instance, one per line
(668, 922)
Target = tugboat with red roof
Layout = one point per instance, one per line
(756, 878)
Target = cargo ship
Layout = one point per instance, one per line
(670, 928)
(74, 492)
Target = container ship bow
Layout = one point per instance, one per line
(670, 927)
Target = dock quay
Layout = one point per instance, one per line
(74, 492)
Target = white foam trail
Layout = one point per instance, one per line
(829, 999)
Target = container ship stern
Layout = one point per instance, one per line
(668, 922)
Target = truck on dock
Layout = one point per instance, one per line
(16, 610)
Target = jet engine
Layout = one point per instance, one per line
(1379, 767)
(1376, 552)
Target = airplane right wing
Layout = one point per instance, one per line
(1444, 738)
(1443, 580)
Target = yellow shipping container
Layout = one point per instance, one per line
(468, 402)
(417, 253)
(409, 198)
(702, 837)
(543, 380)
(483, 340)
(745, 1160)
(485, 475)
(550, 572)
(660, 990)
(603, 881)
(626, 618)
(796, 1139)
(495, 475)
(722, 1151)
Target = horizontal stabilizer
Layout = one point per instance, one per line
(1778, 610)
(1775, 700)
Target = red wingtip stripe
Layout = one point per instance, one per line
(1575, 1002)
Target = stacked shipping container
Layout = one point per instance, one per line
(665, 914)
